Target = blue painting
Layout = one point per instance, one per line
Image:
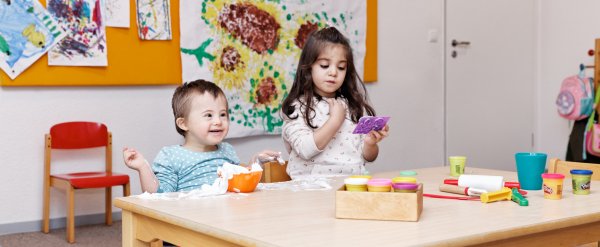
(27, 31)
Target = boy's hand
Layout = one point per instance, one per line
(133, 159)
(375, 137)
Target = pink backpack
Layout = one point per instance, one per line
(575, 99)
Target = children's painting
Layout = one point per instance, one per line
(251, 49)
(154, 19)
(27, 31)
(117, 13)
(86, 43)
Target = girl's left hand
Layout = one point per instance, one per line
(375, 137)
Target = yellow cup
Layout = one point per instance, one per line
(552, 186)
(457, 165)
(411, 180)
(353, 187)
(356, 184)
(372, 188)
(361, 176)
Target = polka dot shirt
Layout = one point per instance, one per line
(179, 169)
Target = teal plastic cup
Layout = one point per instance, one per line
(530, 167)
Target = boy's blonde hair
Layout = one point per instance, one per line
(182, 98)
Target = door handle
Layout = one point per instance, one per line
(456, 43)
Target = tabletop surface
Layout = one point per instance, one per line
(296, 218)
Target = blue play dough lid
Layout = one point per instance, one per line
(408, 173)
(581, 172)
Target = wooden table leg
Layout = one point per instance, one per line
(129, 238)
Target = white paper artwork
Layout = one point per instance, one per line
(251, 50)
(154, 19)
(86, 43)
(117, 13)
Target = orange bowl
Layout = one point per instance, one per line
(244, 182)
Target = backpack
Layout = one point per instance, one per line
(575, 99)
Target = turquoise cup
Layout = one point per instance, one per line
(530, 167)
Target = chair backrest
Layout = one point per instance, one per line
(75, 135)
(78, 135)
(565, 167)
(274, 172)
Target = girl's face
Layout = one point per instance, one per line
(206, 124)
(329, 71)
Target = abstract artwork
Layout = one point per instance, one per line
(86, 43)
(154, 19)
(251, 50)
(27, 31)
(117, 13)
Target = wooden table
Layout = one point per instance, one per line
(307, 218)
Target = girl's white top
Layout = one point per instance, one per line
(342, 156)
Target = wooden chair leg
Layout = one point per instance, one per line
(71, 214)
(46, 209)
(108, 206)
(126, 190)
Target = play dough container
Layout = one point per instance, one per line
(581, 181)
(552, 185)
(379, 185)
(356, 183)
(405, 187)
(244, 182)
(411, 180)
(408, 173)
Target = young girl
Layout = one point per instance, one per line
(324, 105)
(200, 110)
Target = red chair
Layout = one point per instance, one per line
(80, 135)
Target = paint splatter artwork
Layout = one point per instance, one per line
(27, 31)
(117, 13)
(154, 19)
(86, 43)
(251, 50)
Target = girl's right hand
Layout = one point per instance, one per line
(337, 109)
(133, 159)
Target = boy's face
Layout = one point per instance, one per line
(207, 123)
(329, 71)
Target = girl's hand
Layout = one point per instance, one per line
(375, 137)
(265, 156)
(337, 109)
(133, 159)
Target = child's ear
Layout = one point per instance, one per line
(181, 123)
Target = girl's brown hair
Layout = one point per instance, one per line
(303, 89)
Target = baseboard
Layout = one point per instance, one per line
(33, 226)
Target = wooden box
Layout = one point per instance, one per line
(274, 172)
(379, 205)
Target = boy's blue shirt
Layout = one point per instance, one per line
(179, 169)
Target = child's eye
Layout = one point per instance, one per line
(342, 68)
(209, 115)
(223, 114)
(324, 66)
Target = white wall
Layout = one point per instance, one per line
(410, 87)
(410, 90)
(568, 31)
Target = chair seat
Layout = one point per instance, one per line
(83, 180)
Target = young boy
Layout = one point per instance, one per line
(201, 116)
